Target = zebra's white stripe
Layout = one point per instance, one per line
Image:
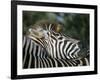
(44, 63)
(34, 50)
(58, 50)
(81, 63)
(30, 51)
(24, 40)
(61, 48)
(65, 50)
(35, 62)
(61, 62)
(70, 63)
(41, 62)
(30, 60)
(54, 48)
(69, 48)
(50, 26)
(87, 62)
(76, 53)
(56, 65)
(39, 49)
(47, 62)
(26, 48)
(65, 62)
(50, 61)
(75, 48)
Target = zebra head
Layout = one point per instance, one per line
(58, 45)
(43, 29)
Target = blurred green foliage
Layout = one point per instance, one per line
(74, 25)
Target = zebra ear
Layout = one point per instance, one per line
(58, 28)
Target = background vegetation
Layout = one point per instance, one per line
(75, 25)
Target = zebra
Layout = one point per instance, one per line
(57, 45)
(35, 56)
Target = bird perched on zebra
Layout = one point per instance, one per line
(59, 48)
